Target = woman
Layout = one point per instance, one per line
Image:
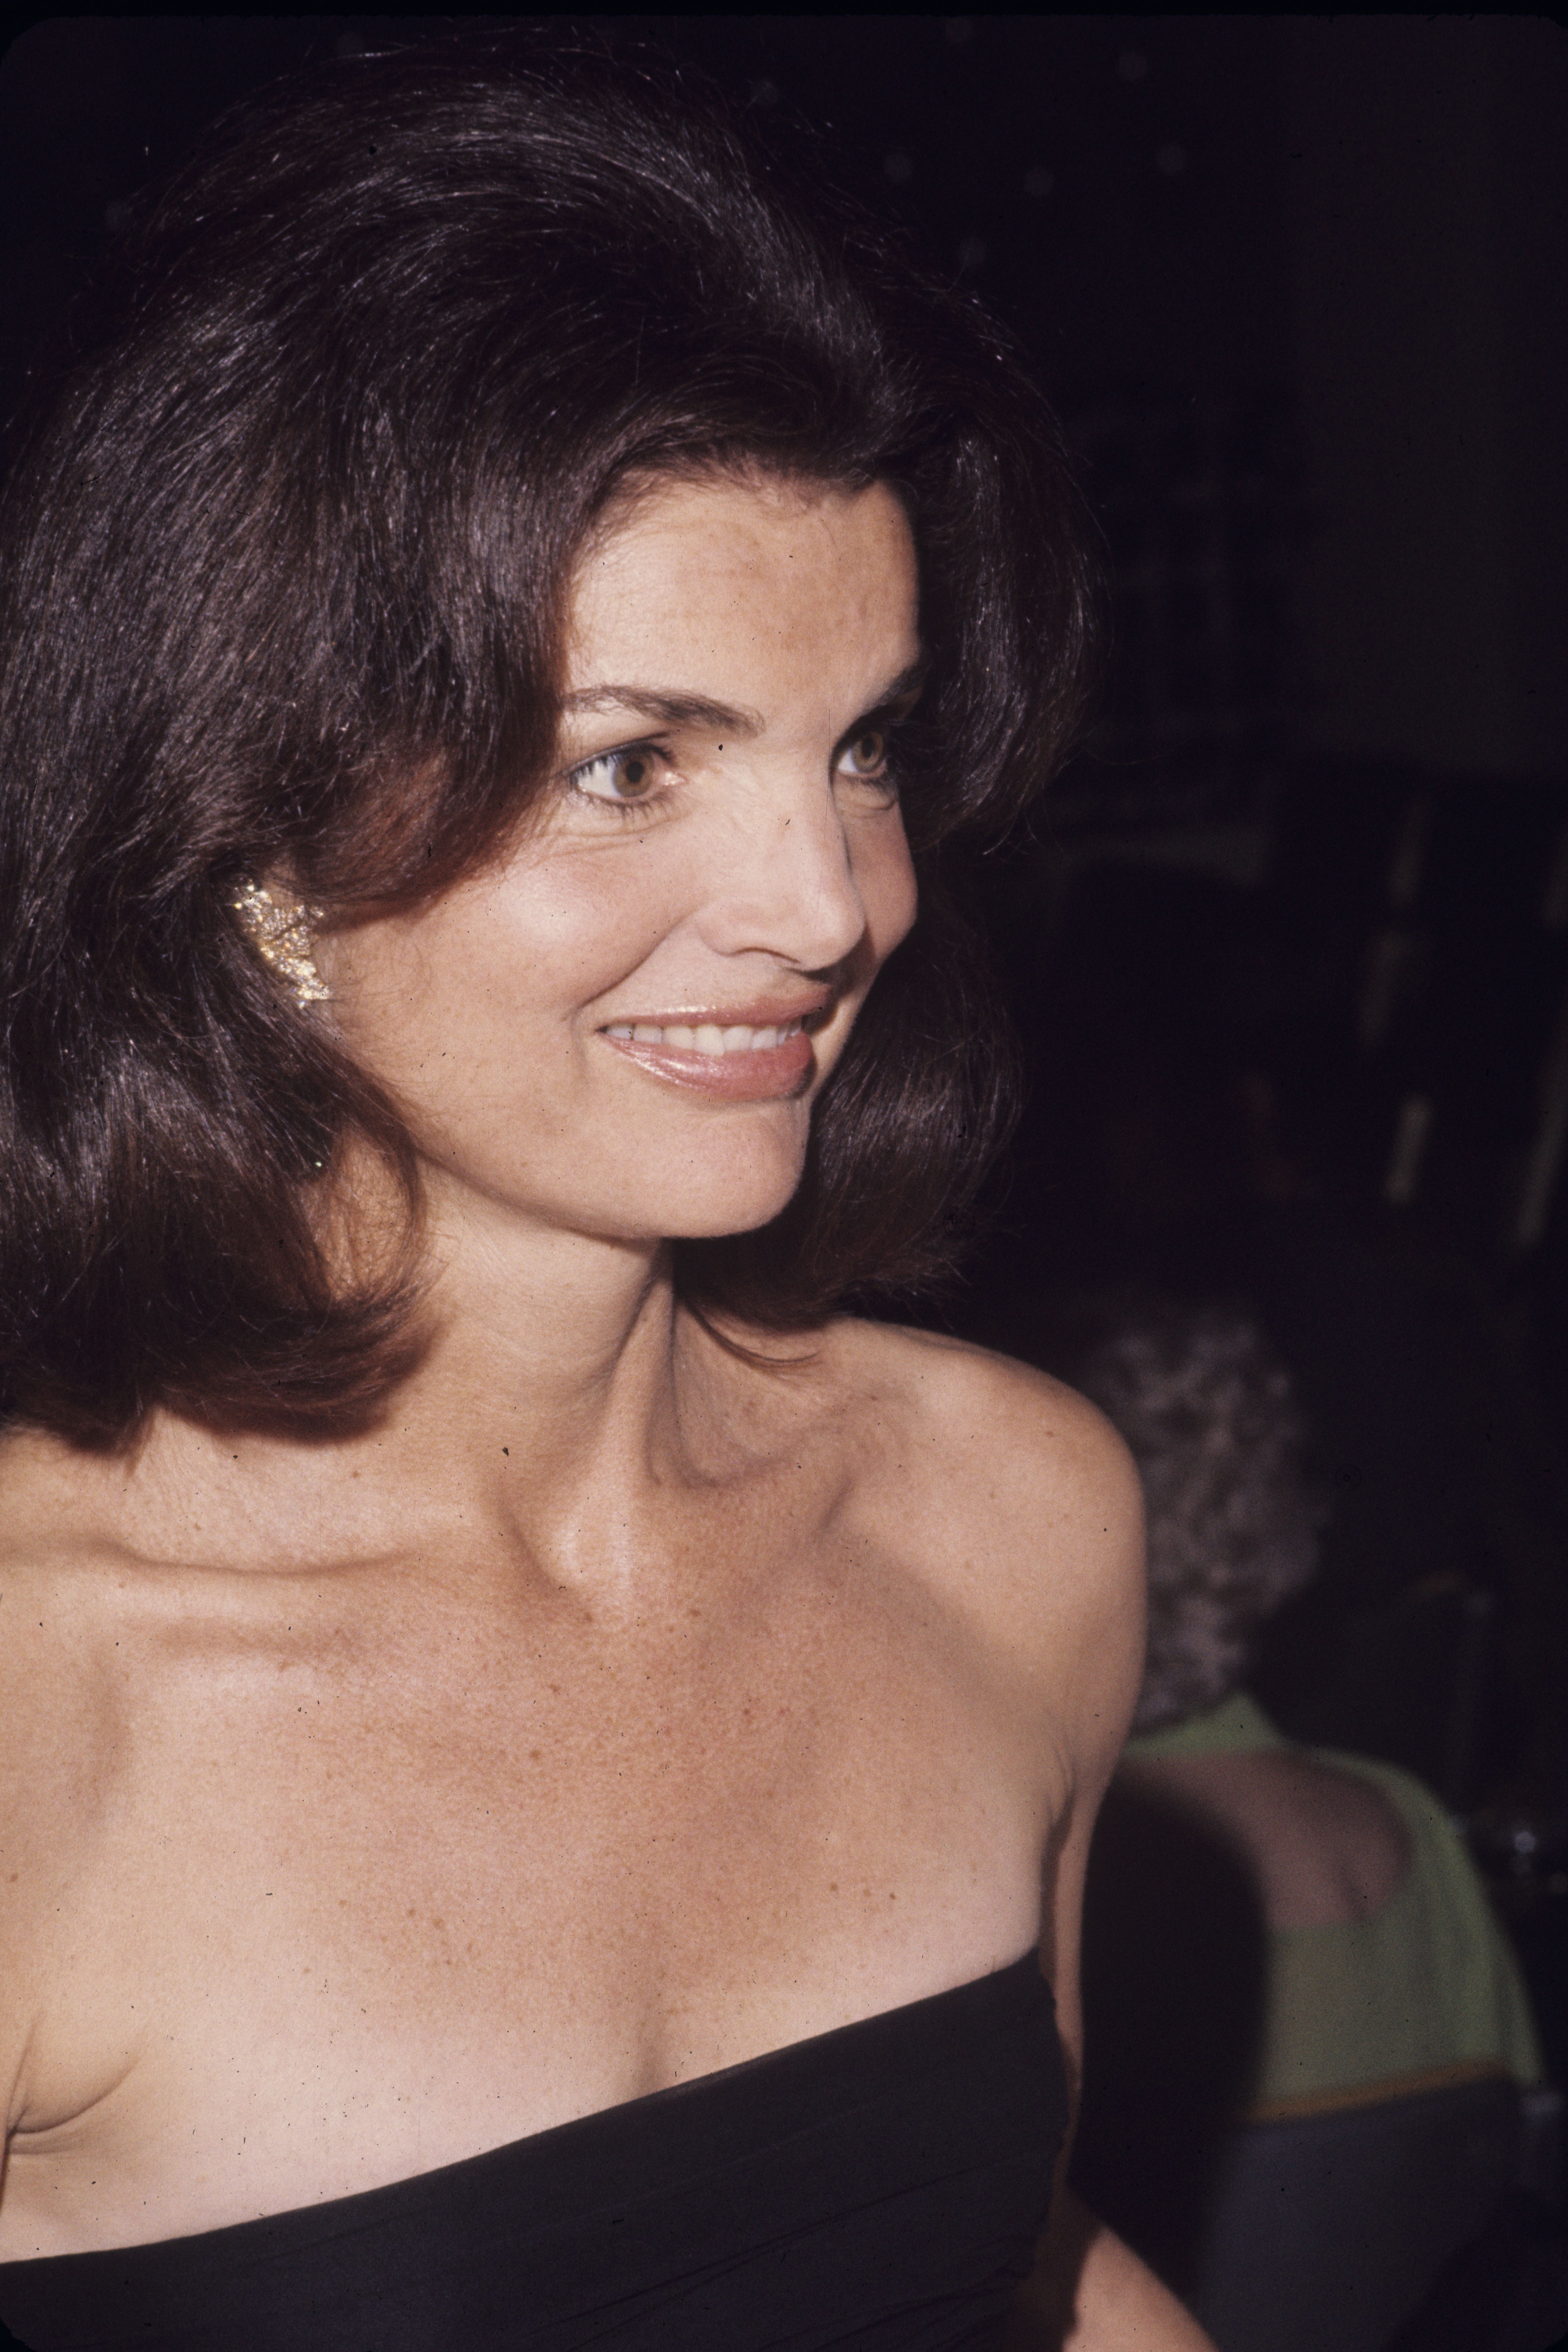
(489, 1652)
(1294, 1984)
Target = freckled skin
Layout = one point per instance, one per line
(753, 867)
(617, 1708)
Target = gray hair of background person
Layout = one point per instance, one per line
(1207, 1410)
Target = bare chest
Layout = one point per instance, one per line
(353, 1914)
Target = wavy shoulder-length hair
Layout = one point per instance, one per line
(285, 550)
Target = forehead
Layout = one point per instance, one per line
(749, 578)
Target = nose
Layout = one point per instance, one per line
(785, 884)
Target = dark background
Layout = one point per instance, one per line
(1289, 945)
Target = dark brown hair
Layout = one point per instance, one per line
(284, 554)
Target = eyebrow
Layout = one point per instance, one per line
(672, 710)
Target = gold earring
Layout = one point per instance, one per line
(281, 933)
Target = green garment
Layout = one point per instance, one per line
(1427, 1986)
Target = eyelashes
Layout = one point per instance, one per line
(632, 766)
(627, 780)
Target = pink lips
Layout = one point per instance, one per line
(760, 1076)
(759, 1073)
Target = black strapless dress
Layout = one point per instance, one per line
(882, 2186)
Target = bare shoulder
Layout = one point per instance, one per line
(1014, 1496)
(999, 1426)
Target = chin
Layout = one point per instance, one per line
(730, 1217)
(710, 1203)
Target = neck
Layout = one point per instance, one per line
(560, 1342)
(541, 1411)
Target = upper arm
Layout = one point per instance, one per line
(1035, 1514)
(1070, 1523)
(1034, 1518)
(1094, 1672)
(1084, 1633)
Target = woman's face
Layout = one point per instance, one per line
(622, 1029)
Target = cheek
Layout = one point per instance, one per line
(567, 929)
(425, 1003)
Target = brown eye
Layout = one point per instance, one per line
(617, 777)
(867, 755)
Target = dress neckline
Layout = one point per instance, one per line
(332, 2211)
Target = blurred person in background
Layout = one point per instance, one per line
(1274, 1932)
(1198, 1127)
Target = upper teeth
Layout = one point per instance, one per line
(708, 1039)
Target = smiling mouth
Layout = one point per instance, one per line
(706, 1037)
(734, 1061)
